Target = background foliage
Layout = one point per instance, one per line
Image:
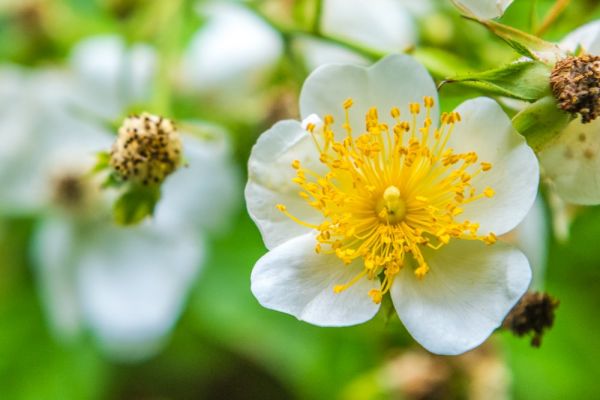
(225, 345)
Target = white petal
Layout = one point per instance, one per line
(293, 279)
(204, 193)
(133, 284)
(531, 237)
(485, 9)
(465, 296)
(395, 81)
(514, 176)
(52, 246)
(41, 136)
(232, 49)
(587, 37)
(319, 52)
(110, 75)
(383, 25)
(270, 183)
(572, 163)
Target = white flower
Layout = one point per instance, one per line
(128, 286)
(383, 25)
(125, 286)
(572, 161)
(386, 210)
(110, 75)
(37, 132)
(232, 50)
(485, 9)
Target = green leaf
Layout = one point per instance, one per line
(136, 204)
(112, 181)
(541, 122)
(102, 162)
(525, 80)
(523, 43)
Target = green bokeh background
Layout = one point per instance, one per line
(226, 346)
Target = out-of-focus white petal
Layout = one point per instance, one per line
(395, 81)
(205, 192)
(487, 130)
(111, 76)
(531, 237)
(383, 25)
(232, 49)
(485, 9)
(293, 279)
(464, 297)
(587, 37)
(52, 252)
(126, 285)
(41, 136)
(318, 52)
(133, 283)
(572, 163)
(270, 175)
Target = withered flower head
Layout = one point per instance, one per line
(147, 149)
(533, 314)
(575, 83)
(70, 191)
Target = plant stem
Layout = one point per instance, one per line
(552, 15)
(289, 34)
(318, 15)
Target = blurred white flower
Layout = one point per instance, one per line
(110, 75)
(485, 9)
(381, 213)
(386, 26)
(37, 132)
(232, 51)
(125, 286)
(383, 25)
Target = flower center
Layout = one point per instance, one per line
(390, 193)
(391, 208)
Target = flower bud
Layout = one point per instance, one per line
(147, 149)
(575, 83)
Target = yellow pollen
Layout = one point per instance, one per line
(390, 192)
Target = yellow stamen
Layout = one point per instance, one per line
(387, 194)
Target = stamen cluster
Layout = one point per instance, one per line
(390, 192)
(147, 149)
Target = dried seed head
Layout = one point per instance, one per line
(147, 149)
(575, 83)
(533, 314)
